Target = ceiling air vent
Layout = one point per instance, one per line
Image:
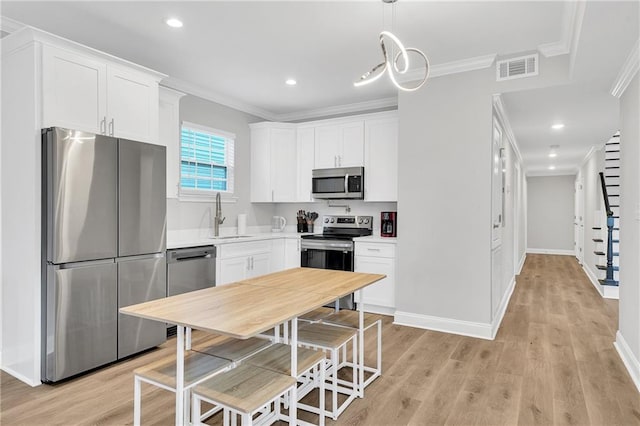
(523, 66)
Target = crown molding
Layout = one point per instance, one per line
(502, 116)
(571, 27)
(9, 25)
(628, 71)
(453, 67)
(210, 95)
(339, 109)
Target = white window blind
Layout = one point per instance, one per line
(206, 160)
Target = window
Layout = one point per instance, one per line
(206, 160)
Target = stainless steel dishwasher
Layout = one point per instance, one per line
(190, 269)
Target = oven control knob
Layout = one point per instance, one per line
(326, 220)
(332, 220)
(360, 221)
(366, 221)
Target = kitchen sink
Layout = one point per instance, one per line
(229, 237)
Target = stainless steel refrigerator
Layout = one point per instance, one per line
(104, 239)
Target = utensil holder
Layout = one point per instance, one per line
(302, 227)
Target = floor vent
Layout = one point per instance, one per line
(522, 66)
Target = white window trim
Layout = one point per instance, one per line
(204, 196)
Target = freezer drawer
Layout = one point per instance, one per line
(191, 269)
(82, 321)
(142, 200)
(140, 279)
(80, 172)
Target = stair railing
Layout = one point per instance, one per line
(610, 223)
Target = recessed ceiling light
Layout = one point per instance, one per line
(174, 23)
(557, 126)
(552, 167)
(552, 155)
(291, 82)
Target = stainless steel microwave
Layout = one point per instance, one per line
(338, 183)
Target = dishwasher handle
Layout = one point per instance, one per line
(182, 255)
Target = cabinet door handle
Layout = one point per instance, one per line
(373, 249)
(248, 264)
(103, 125)
(272, 197)
(335, 161)
(111, 127)
(252, 263)
(339, 160)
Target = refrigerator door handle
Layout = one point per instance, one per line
(71, 265)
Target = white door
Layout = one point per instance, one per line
(578, 223)
(73, 91)
(132, 105)
(327, 146)
(352, 152)
(496, 186)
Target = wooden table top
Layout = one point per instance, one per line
(321, 281)
(244, 309)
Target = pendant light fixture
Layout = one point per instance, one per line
(394, 65)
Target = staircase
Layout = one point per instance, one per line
(608, 274)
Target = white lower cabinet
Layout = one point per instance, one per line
(377, 258)
(291, 253)
(239, 261)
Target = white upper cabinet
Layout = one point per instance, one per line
(305, 163)
(273, 163)
(339, 145)
(74, 89)
(132, 105)
(381, 159)
(89, 93)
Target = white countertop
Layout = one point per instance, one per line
(202, 237)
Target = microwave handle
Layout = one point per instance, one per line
(346, 183)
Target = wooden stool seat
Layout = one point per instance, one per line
(235, 349)
(196, 366)
(349, 318)
(277, 358)
(317, 314)
(245, 388)
(324, 335)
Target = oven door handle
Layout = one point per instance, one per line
(346, 184)
(348, 246)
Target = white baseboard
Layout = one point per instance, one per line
(521, 264)
(551, 251)
(20, 377)
(377, 309)
(606, 291)
(504, 303)
(446, 325)
(628, 358)
(465, 328)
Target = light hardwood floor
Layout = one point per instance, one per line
(552, 362)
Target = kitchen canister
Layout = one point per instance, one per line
(242, 224)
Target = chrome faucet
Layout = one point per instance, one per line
(218, 220)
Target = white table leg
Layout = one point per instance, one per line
(180, 409)
(293, 405)
(361, 344)
(188, 343)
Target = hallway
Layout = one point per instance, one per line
(553, 362)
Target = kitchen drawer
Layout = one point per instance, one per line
(243, 249)
(375, 249)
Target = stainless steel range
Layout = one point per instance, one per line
(333, 249)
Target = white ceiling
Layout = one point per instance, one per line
(239, 53)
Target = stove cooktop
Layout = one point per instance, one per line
(343, 228)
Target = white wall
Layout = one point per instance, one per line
(197, 214)
(628, 338)
(444, 186)
(550, 213)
